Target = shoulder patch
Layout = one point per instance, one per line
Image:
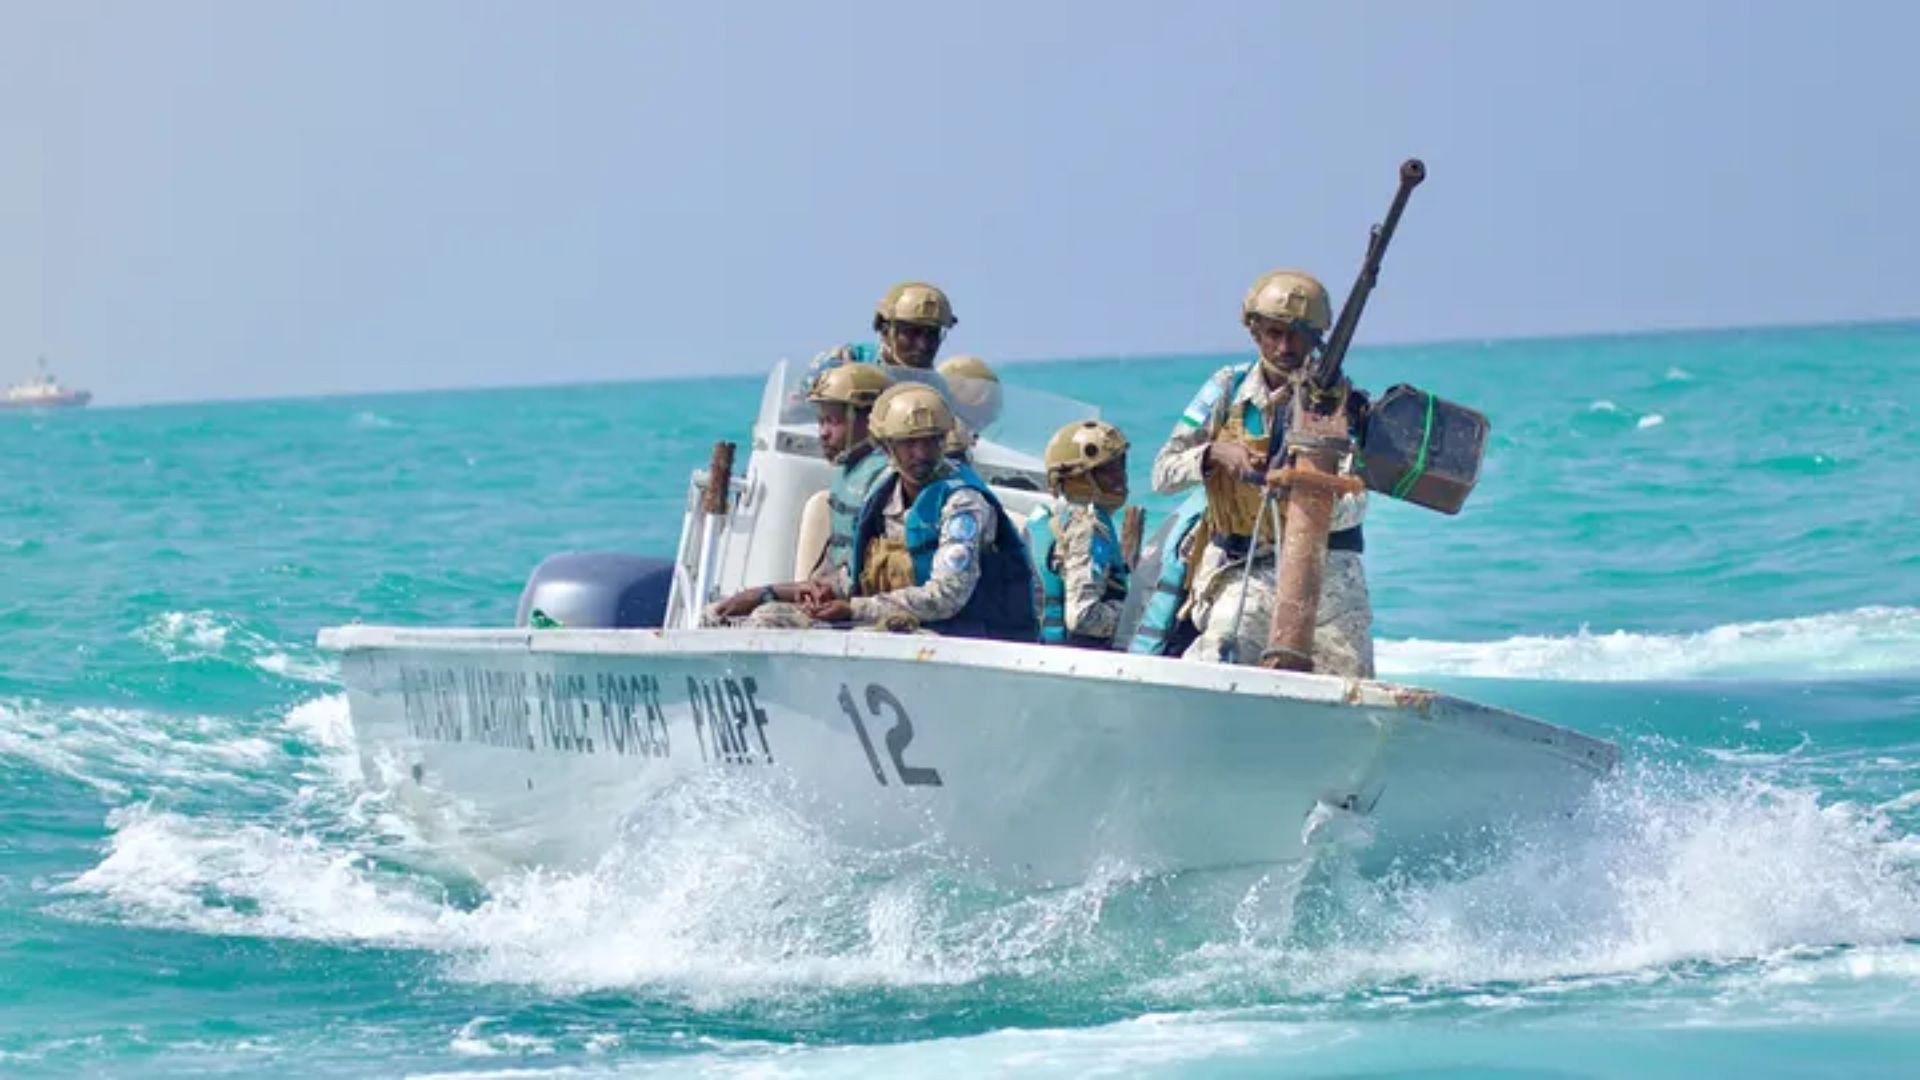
(962, 526)
(1218, 386)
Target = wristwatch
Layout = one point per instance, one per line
(768, 595)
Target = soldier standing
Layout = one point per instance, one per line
(1221, 442)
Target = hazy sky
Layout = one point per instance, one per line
(234, 199)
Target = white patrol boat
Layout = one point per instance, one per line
(1030, 764)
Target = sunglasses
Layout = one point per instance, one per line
(1273, 328)
(914, 331)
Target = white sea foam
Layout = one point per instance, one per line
(1603, 406)
(313, 671)
(1650, 420)
(185, 635)
(325, 722)
(1657, 871)
(119, 751)
(229, 878)
(473, 1040)
(721, 895)
(1867, 640)
(1678, 374)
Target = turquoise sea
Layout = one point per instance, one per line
(1704, 546)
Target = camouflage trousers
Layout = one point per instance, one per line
(1342, 635)
(783, 616)
(773, 615)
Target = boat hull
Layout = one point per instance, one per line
(72, 400)
(1031, 765)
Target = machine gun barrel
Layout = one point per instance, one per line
(1323, 369)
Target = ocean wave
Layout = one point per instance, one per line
(1864, 641)
(195, 636)
(1662, 869)
(222, 877)
(722, 894)
(185, 635)
(123, 752)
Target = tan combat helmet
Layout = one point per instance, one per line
(1072, 455)
(973, 389)
(858, 385)
(1293, 297)
(914, 302)
(967, 367)
(910, 411)
(970, 379)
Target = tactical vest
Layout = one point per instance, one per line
(1233, 505)
(853, 481)
(1158, 618)
(1053, 587)
(1001, 606)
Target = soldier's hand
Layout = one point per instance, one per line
(831, 611)
(739, 605)
(1232, 458)
(810, 593)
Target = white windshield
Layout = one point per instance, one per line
(1018, 418)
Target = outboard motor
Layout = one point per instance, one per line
(598, 590)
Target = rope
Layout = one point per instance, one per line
(1412, 476)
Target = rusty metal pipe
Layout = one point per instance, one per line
(1316, 445)
(714, 506)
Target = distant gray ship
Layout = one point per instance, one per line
(43, 391)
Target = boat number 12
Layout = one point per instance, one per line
(881, 703)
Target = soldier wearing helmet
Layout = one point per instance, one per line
(932, 546)
(1220, 443)
(843, 399)
(1076, 550)
(974, 389)
(912, 320)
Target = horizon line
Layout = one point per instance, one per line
(1126, 358)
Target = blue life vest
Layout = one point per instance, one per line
(1159, 618)
(1155, 633)
(853, 481)
(1053, 587)
(1001, 606)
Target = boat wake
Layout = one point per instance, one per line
(207, 637)
(1869, 640)
(721, 893)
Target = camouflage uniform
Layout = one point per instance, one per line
(967, 524)
(1091, 611)
(1342, 638)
